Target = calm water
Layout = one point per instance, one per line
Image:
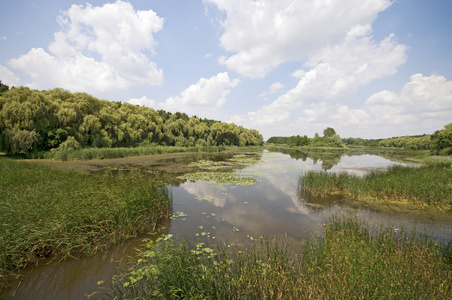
(233, 213)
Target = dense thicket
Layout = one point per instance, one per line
(58, 119)
(419, 142)
(441, 141)
(329, 139)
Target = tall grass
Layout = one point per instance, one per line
(350, 262)
(347, 262)
(45, 212)
(431, 184)
(105, 153)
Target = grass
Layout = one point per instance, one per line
(47, 212)
(105, 153)
(426, 185)
(350, 261)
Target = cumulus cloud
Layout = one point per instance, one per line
(99, 49)
(266, 33)
(335, 71)
(143, 101)
(202, 98)
(275, 87)
(7, 77)
(424, 104)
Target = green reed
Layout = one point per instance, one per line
(105, 153)
(46, 212)
(429, 184)
(347, 262)
(353, 261)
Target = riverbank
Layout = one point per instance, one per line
(350, 261)
(122, 152)
(53, 212)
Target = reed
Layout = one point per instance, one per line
(354, 261)
(426, 185)
(48, 212)
(105, 153)
(350, 261)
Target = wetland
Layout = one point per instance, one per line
(225, 198)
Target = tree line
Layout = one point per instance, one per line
(408, 142)
(329, 139)
(439, 143)
(32, 120)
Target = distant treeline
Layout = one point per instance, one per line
(439, 143)
(32, 120)
(329, 139)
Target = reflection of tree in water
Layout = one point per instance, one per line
(328, 159)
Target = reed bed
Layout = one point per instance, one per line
(46, 212)
(350, 261)
(105, 153)
(425, 185)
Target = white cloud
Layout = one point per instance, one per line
(423, 105)
(143, 101)
(266, 33)
(425, 102)
(275, 87)
(7, 77)
(99, 49)
(202, 98)
(335, 71)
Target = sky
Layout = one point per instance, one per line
(367, 68)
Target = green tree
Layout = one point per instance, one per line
(328, 132)
(3, 88)
(441, 141)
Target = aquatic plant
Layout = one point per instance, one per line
(350, 261)
(105, 153)
(46, 212)
(429, 184)
(221, 178)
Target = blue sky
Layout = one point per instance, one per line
(367, 68)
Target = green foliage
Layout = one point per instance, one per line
(33, 120)
(329, 132)
(362, 142)
(441, 141)
(408, 142)
(350, 261)
(46, 211)
(330, 139)
(3, 88)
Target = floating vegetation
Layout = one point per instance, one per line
(208, 198)
(210, 165)
(243, 160)
(221, 178)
